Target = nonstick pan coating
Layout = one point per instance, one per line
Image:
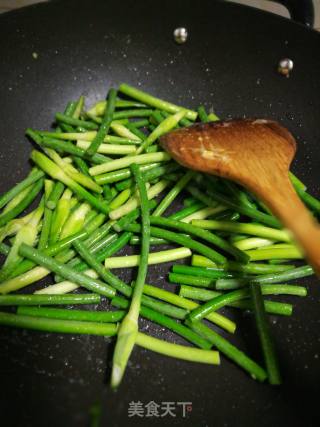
(228, 63)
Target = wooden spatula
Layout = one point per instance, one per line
(257, 154)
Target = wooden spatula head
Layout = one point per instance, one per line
(235, 149)
(256, 153)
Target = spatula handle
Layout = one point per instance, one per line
(286, 205)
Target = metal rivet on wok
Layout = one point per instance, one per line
(180, 35)
(285, 66)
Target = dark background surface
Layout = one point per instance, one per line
(229, 63)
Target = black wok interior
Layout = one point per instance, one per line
(229, 63)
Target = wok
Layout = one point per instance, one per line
(229, 63)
